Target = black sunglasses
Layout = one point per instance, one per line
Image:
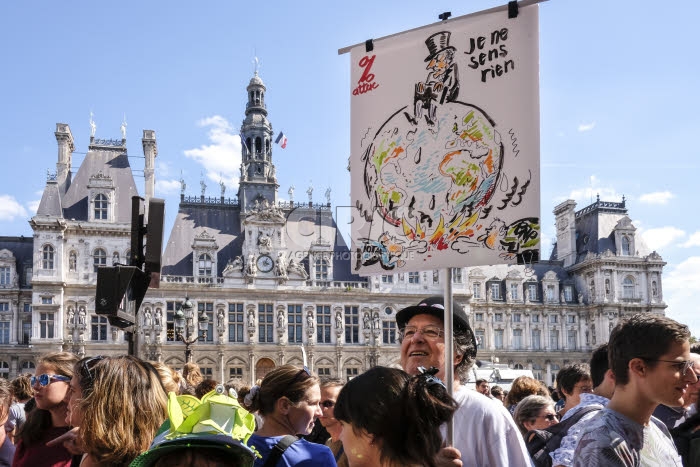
(303, 371)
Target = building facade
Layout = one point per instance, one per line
(273, 277)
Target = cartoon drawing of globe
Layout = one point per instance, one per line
(431, 174)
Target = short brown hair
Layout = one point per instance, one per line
(643, 335)
(524, 386)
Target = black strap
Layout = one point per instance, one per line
(278, 449)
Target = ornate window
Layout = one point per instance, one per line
(98, 328)
(46, 325)
(456, 275)
(536, 340)
(389, 331)
(514, 291)
(387, 279)
(4, 332)
(4, 369)
(532, 291)
(235, 322)
(295, 324)
(554, 339)
(99, 258)
(495, 291)
(321, 269)
(628, 287)
(204, 265)
(571, 338)
(625, 245)
(517, 339)
(101, 207)
(569, 293)
(352, 325)
(235, 372)
(351, 372)
(414, 278)
(550, 293)
(47, 256)
(266, 319)
(476, 290)
(323, 371)
(498, 338)
(323, 324)
(5, 275)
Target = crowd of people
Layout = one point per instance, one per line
(635, 403)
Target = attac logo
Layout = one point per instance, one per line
(366, 82)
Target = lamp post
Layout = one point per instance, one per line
(183, 324)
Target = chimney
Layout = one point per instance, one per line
(64, 138)
(565, 221)
(150, 151)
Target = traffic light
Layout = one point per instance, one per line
(121, 289)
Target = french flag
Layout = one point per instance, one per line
(281, 140)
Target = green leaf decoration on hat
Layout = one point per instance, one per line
(215, 413)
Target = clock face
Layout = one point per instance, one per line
(265, 263)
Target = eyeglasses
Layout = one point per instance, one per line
(86, 368)
(303, 371)
(585, 388)
(429, 332)
(45, 379)
(328, 404)
(683, 366)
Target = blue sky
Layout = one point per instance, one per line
(618, 101)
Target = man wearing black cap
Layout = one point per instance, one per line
(485, 433)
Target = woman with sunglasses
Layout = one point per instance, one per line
(288, 399)
(48, 420)
(535, 413)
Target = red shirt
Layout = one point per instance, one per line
(39, 454)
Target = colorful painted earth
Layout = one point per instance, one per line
(427, 175)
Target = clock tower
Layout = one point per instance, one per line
(258, 182)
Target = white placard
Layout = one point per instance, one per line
(445, 145)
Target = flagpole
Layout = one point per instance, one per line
(449, 348)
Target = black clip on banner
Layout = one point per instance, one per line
(512, 9)
(369, 45)
(444, 16)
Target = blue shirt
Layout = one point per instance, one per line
(302, 453)
(565, 454)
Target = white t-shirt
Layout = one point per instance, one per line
(485, 433)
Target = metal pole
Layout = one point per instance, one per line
(449, 349)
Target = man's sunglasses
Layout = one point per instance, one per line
(46, 379)
(683, 366)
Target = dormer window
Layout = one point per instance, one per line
(101, 207)
(321, 269)
(5, 275)
(628, 287)
(205, 265)
(625, 247)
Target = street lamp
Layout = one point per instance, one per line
(183, 323)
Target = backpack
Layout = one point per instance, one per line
(542, 442)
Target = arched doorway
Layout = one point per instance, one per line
(263, 367)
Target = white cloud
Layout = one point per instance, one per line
(10, 209)
(682, 294)
(222, 158)
(167, 187)
(587, 195)
(657, 197)
(694, 240)
(586, 126)
(661, 236)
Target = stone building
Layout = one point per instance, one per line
(272, 277)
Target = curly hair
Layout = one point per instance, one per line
(169, 378)
(404, 413)
(22, 387)
(287, 381)
(192, 374)
(39, 420)
(524, 386)
(124, 404)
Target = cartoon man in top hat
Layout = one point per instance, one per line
(442, 82)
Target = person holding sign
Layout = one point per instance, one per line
(485, 433)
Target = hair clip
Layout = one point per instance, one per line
(429, 375)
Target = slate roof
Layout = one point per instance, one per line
(22, 248)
